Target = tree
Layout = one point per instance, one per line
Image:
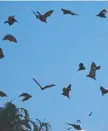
(17, 119)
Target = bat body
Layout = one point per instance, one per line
(43, 17)
(2, 94)
(90, 114)
(81, 67)
(66, 91)
(1, 54)
(67, 12)
(45, 87)
(78, 127)
(103, 90)
(78, 121)
(102, 13)
(11, 20)
(10, 38)
(92, 73)
(26, 96)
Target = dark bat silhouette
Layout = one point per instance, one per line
(67, 12)
(103, 90)
(43, 17)
(78, 121)
(26, 96)
(90, 114)
(45, 87)
(10, 38)
(78, 127)
(11, 20)
(81, 67)
(102, 13)
(2, 94)
(92, 73)
(66, 91)
(1, 54)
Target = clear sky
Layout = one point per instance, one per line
(51, 53)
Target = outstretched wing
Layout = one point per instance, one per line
(47, 14)
(75, 126)
(48, 86)
(24, 94)
(37, 16)
(68, 12)
(10, 38)
(37, 83)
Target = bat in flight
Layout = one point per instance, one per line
(90, 114)
(43, 17)
(92, 73)
(26, 96)
(81, 67)
(45, 87)
(67, 12)
(77, 127)
(102, 13)
(1, 54)
(10, 38)
(66, 91)
(11, 20)
(2, 94)
(103, 90)
(78, 121)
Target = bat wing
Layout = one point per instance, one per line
(47, 14)
(75, 126)
(103, 90)
(33, 12)
(103, 11)
(78, 121)
(66, 92)
(72, 13)
(92, 73)
(68, 12)
(37, 16)
(10, 38)
(1, 53)
(24, 94)
(2, 94)
(49, 86)
(90, 114)
(69, 87)
(26, 98)
(37, 83)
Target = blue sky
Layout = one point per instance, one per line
(51, 53)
